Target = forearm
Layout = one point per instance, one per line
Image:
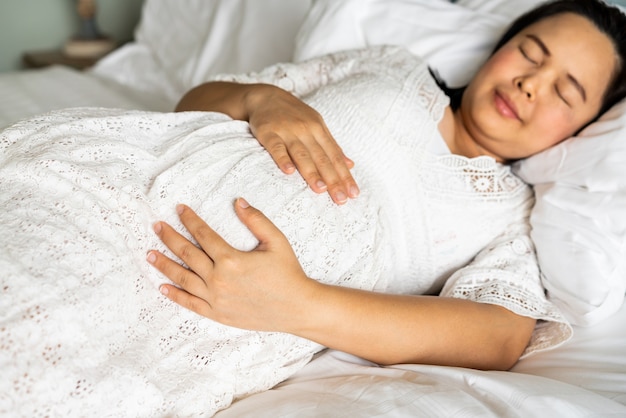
(234, 99)
(390, 329)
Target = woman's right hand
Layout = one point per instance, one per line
(297, 137)
(293, 133)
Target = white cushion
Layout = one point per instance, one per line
(579, 219)
(443, 33)
(194, 39)
(510, 9)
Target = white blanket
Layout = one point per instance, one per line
(83, 328)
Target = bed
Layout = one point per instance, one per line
(578, 223)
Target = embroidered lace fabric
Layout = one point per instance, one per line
(83, 328)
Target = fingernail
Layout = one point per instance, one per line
(320, 184)
(164, 290)
(354, 191)
(243, 203)
(289, 168)
(151, 257)
(180, 209)
(340, 197)
(157, 227)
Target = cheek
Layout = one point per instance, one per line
(553, 125)
(496, 71)
(501, 63)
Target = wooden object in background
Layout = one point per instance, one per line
(40, 59)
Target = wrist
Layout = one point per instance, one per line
(255, 96)
(309, 317)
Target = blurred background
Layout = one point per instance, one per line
(32, 26)
(45, 25)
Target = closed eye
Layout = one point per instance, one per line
(544, 49)
(527, 57)
(558, 92)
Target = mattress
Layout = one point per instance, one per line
(28, 93)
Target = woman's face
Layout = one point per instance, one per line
(539, 88)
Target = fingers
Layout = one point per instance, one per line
(193, 287)
(212, 244)
(191, 255)
(330, 163)
(261, 227)
(200, 265)
(199, 260)
(187, 300)
(321, 163)
(277, 149)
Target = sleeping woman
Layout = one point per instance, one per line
(447, 208)
(426, 205)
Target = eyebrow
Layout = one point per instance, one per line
(570, 77)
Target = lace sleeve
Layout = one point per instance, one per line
(303, 78)
(506, 273)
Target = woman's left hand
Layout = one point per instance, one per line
(264, 289)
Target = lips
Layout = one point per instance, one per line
(505, 106)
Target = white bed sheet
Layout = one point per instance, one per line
(594, 359)
(28, 93)
(339, 385)
(584, 378)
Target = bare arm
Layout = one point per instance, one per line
(266, 289)
(390, 329)
(292, 132)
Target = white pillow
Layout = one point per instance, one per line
(579, 219)
(513, 9)
(510, 9)
(194, 39)
(441, 32)
(579, 222)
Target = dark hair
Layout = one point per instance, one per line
(608, 19)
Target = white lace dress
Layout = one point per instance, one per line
(83, 328)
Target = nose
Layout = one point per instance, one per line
(527, 85)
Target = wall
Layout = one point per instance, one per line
(34, 25)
